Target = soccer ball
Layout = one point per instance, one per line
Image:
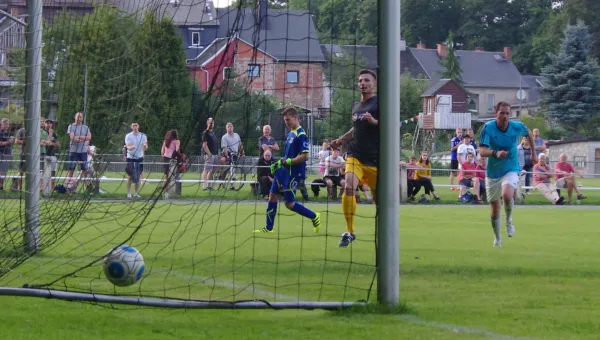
(123, 266)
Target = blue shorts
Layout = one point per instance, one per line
(78, 157)
(285, 184)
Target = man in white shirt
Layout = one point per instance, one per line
(333, 172)
(231, 142)
(135, 143)
(464, 149)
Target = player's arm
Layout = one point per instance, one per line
(301, 158)
(343, 139)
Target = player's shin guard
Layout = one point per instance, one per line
(349, 209)
(271, 213)
(303, 211)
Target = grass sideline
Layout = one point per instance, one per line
(541, 284)
(118, 190)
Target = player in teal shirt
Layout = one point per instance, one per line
(498, 141)
(288, 172)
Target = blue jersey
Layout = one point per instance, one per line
(454, 142)
(498, 140)
(296, 143)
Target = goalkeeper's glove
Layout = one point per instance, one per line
(279, 164)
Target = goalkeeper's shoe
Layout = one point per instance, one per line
(347, 238)
(316, 222)
(263, 230)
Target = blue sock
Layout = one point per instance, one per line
(304, 211)
(271, 213)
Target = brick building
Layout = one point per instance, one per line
(275, 52)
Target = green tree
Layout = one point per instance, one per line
(429, 21)
(134, 72)
(450, 63)
(572, 91)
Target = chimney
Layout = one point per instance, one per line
(442, 50)
(420, 46)
(508, 53)
(479, 49)
(262, 13)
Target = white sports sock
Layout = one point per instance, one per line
(496, 223)
(508, 208)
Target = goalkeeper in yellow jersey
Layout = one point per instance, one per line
(288, 172)
(363, 151)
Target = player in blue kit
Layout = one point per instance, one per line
(288, 172)
(498, 141)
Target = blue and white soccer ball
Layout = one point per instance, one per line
(123, 266)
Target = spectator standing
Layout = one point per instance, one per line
(323, 154)
(211, 151)
(136, 144)
(6, 143)
(464, 149)
(169, 152)
(267, 142)
(231, 143)
(79, 136)
(524, 150)
(538, 142)
(51, 148)
(455, 142)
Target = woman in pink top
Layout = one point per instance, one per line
(467, 177)
(541, 181)
(170, 148)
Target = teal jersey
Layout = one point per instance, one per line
(296, 143)
(495, 139)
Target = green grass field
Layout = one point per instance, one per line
(542, 284)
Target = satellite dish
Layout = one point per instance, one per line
(521, 94)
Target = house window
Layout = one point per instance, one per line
(428, 106)
(491, 102)
(2, 58)
(291, 77)
(195, 38)
(227, 73)
(253, 70)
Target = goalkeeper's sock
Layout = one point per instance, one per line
(304, 211)
(349, 209)
(271, 213)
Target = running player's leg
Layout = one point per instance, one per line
(272, 203)
(509, 186)
(494, 192)
(289, 197)
(354, 171)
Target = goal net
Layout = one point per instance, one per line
(171, 66)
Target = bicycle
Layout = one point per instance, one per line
(234, 174)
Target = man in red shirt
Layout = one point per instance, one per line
(565, 179)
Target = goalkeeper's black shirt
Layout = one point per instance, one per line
(364, 144)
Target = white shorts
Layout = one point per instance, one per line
(561, 183)
(493, 186)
